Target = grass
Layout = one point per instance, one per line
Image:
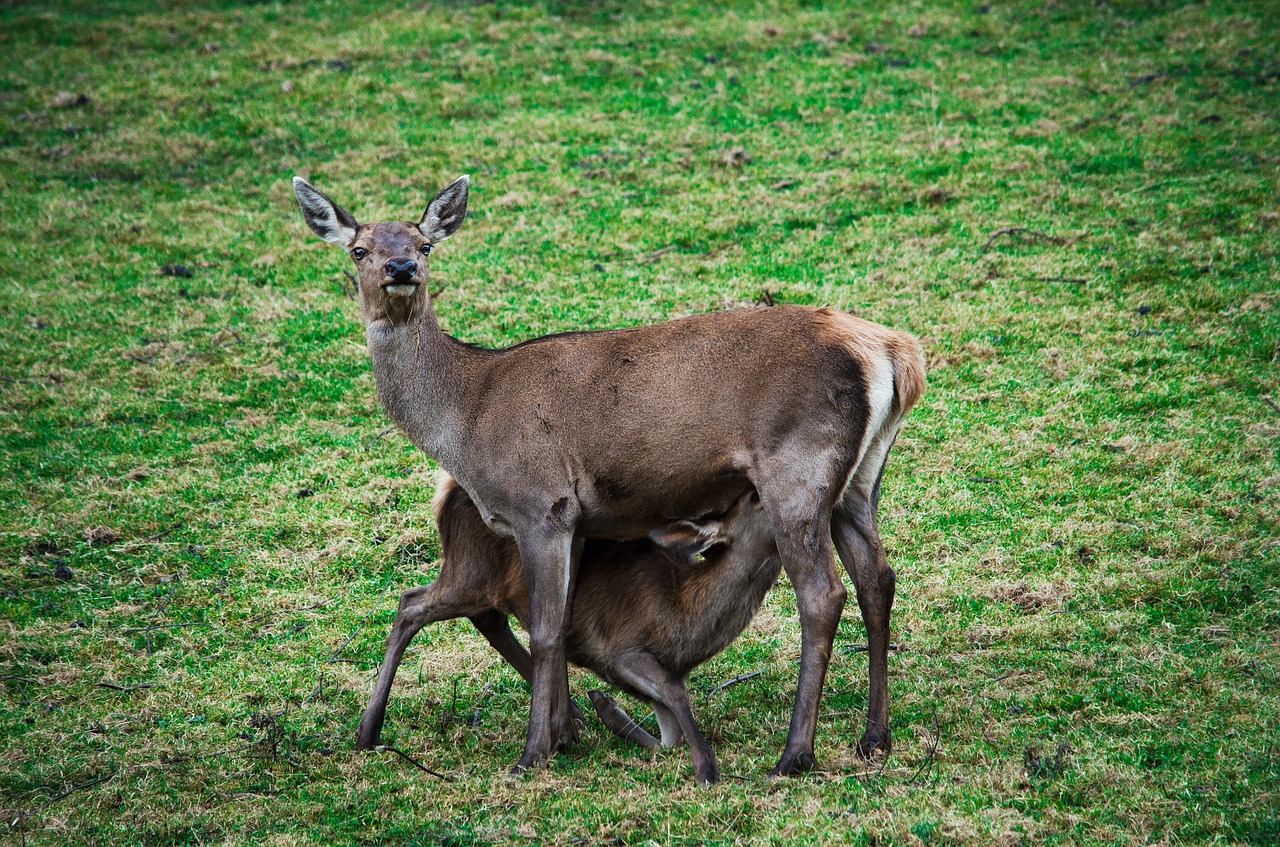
(207, 520)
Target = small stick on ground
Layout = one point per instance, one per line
(1023, 233)
(475, 712)
(168, 531)
(333, 657)
(72, 790)
(862, 648)
(1071, 279)
(732, 682)
(115, 686)
(658, 254)
(932, 755)
(381, 748)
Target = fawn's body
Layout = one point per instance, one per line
(644, 614)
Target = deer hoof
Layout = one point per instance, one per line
(875, 744)
(708, 777)
(794, 764)
(365, 741)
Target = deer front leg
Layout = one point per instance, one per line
(644, 673)
(550, 562)
(617, 721)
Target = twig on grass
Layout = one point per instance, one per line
(732, 682)
(154, 627)
(862, 648)
(932, 755)
(381, 434)
(383, 748)
(1023, 233)
(475, 714)
(115, 686)
(315, 692)
(1074, 280)
(23, 815)
(168, 531)
(658, 254)
(333, 657)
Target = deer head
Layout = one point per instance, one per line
(391, 258)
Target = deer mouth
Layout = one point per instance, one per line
(400, 289)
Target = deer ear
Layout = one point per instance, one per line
(326, 218)
(685, 538)
(446, 211)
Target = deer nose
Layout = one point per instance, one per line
(401, 271)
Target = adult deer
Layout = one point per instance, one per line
(614, 434)
(644, 612)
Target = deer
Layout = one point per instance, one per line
(644, 613)
(613, 434)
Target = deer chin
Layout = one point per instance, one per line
(407, 289)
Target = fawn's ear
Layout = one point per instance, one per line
(687, 539)
(326, 218)
(446, 211)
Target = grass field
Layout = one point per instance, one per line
(207, 519)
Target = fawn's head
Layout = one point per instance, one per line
(745, 527)
(743, 530)
(391, 257)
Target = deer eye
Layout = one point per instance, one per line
(359, 253)
(426, 249)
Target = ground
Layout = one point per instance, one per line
(207, 518)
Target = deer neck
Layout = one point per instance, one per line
(422, 376)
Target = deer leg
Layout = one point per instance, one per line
(853, 528)
(418, 607)
(496, 628)
(802, 530)
(620, 723)
(668, 725)
(644, 673)
(550, 563)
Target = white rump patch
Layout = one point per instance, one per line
(875, 442)
(879, 401)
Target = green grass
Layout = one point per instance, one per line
(1082, 510)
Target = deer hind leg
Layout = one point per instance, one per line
(643, 673)
(857, 538)
(800, 512)
(418, 607)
